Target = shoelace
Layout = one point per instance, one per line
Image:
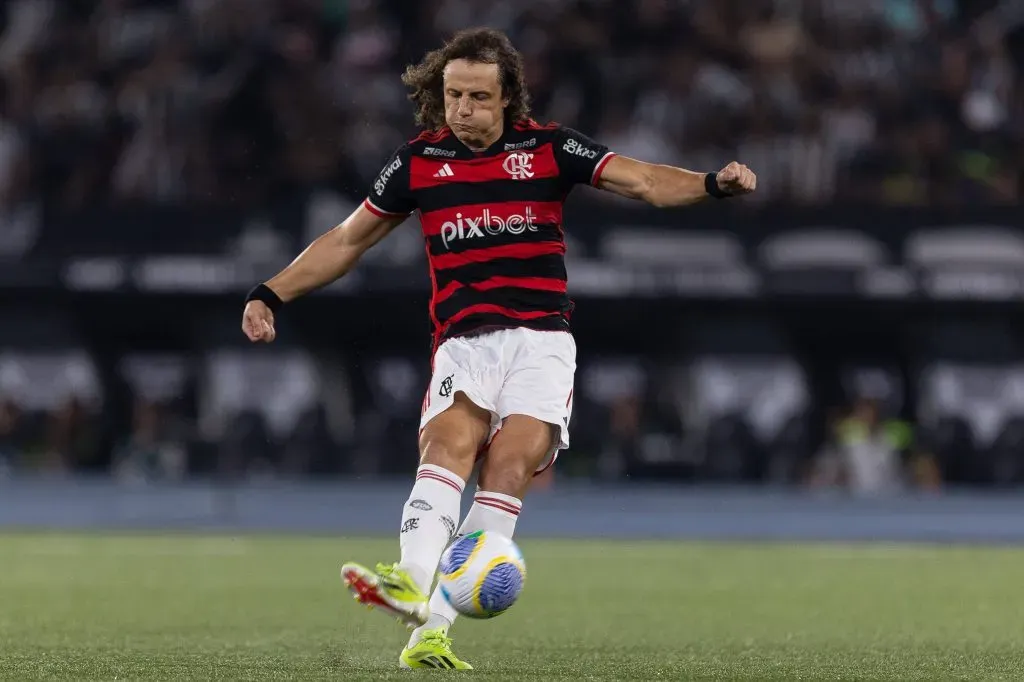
(437, 638)
(387, 572)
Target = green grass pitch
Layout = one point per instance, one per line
(160, 607)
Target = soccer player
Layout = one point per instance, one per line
(488, 183)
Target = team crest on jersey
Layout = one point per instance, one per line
(519, 165)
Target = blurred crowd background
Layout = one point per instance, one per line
(237, 129)
(239, 101)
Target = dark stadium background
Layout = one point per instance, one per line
(827, 374)
(859, 314)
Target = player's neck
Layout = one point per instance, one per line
(483, 143)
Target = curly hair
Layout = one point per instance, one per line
(481, 45)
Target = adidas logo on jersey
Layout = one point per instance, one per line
(445, 172)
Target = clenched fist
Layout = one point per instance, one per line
(258, 322)
(736, 179)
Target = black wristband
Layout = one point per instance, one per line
(261, 292)
(712, 188)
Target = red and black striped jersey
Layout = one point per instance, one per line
(492, 222)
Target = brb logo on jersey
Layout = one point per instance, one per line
(475, 227)
(527, 144)
(519, 165)
(385, 175)
(437, 151)
(577, 149)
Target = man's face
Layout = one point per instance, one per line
(473, 106)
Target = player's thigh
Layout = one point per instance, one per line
(521, 448)
(453, 437)
(459, 413)
(540, 383)
(534, 406)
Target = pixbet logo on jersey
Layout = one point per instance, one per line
(475, 227)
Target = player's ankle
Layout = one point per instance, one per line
(436, 621)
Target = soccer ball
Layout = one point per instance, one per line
(482, 574)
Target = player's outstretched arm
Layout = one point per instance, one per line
(329, 257)
(332, 254)
(665, 186)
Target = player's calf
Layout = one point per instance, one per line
(429, 519)
(517, 452)
(490, 512)
(448, 446)
(430, 516)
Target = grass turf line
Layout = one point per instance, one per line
(163, 607)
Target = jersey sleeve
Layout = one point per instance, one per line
(580, 159)
(390, 195)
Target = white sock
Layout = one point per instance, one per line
(429, 518)
(490, 511)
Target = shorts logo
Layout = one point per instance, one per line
(446, 386)
(576, 149)
(519, 165)
(422, 505)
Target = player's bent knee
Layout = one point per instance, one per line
(452, 439)
(508, 476)
(451, 449)
(522, 446)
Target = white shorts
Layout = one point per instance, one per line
(507, 371)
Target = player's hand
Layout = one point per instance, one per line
(736, 179)
(258, 322)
